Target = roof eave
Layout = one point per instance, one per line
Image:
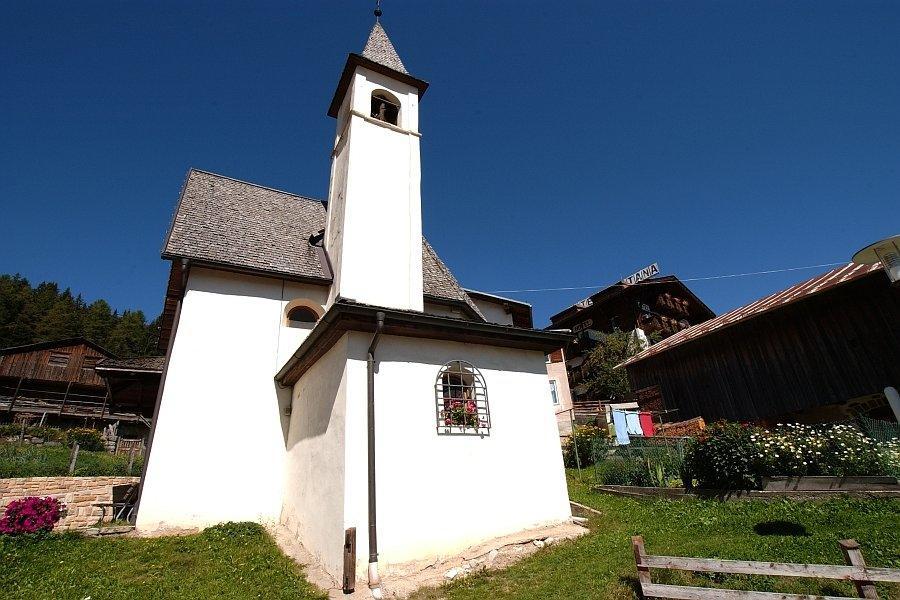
(73, 341)
(223, 266)
(345, 316)
(357, 60)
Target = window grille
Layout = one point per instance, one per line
(461, 402)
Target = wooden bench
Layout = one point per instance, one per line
(863, 577)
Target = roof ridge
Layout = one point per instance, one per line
(257, 185)
(752, 310)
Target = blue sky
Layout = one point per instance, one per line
(565, 144)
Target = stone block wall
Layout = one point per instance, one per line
(77, 493)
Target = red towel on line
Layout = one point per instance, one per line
(647, 424)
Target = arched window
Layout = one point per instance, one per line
(385, 107)
(300, 315)
(461, 400)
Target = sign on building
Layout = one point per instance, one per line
(582, 326)
(645, 273)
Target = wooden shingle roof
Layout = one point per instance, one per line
(230, 223)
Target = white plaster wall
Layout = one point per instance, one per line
(313, 505)
(443, 310)
(438, 494)
(493, 311)
(374, 232)
(219, 443)
(291, 336)
(557, 372)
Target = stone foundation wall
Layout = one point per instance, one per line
(77, 493)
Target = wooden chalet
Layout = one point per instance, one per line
(821, 350)
(61, 382)
(661, 307)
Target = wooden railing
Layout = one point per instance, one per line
(856, 571)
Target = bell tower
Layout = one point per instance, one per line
(374, 230)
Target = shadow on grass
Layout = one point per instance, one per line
(785, 528)
(632, 582)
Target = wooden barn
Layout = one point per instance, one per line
(65, 382)
(822, 350)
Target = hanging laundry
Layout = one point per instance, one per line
(647, 424)
(633, 422)
(621, 427)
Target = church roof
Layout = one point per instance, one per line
(379, 49)
(233, 224)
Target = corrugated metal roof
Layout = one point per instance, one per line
(833, 278)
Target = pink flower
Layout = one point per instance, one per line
(30, 515)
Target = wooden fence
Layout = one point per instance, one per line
(863, 577)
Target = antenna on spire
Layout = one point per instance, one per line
(378, 12)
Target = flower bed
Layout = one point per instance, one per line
(735, 456)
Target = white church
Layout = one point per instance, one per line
(326, 372)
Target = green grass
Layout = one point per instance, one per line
(600, 565)
(25, 460)
(228, 562)
(238, 561)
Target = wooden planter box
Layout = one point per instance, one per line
(821, 483)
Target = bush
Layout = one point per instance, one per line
(24, 460)
(30, 515)
(88, 439)
(617, 470)
(585, 438)
(889, 454)
(734, 456)
(796, 449)
(724, 456)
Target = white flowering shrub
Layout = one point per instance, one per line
(890, 457)
(797, 449)
(734, 456)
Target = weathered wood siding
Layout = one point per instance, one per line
(35, 365)
(832, 347)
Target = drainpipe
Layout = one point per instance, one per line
(374, 579)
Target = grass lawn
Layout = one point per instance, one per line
(229, 562)
(600, 565)
(25, 460)
(239, 561)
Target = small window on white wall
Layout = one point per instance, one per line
(554, 392)
(300, 315)
(461, 400)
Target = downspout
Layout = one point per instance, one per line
(374, 579)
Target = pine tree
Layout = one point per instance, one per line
(62, 320)
(98, 322)
(43, 313)
(130, 336)
(14, 294)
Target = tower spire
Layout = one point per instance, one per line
(377, 10)
(380, 49)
